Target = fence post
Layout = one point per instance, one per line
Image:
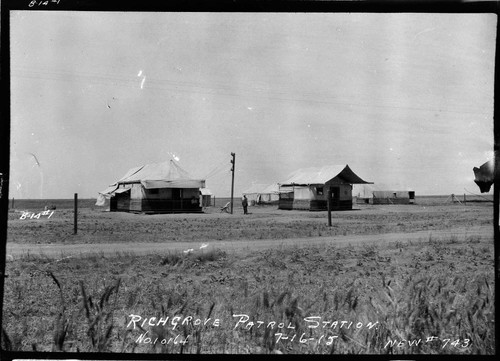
(329, 207)
(76, 214)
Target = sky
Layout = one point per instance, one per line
(406, 100)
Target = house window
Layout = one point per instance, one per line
(319, 191)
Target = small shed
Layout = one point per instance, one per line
(308, 188)
(206, 196)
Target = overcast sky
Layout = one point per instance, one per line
(405, 99)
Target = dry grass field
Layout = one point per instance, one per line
(405, 279)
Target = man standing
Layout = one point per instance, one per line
(244, 203)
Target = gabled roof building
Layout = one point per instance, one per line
(308, 188)
(155, 188)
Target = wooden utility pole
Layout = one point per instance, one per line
(233, 161)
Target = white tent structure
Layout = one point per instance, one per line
(262, 193)
(382, 194)
(154, 188)
(393, 197)
(310, 187)
(363, 190)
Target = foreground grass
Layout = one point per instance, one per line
(429, 297)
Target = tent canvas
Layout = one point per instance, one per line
(364, 190)
(154, 188)
(161, 175)
(105, 194)
(276, 188)
(393, 197)
(206, 192)
(262, 193)
(255, 189)
(206, 196)
(310, 187)
(327, 174)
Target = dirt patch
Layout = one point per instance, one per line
(62, 250)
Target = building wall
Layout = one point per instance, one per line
(171, 200)
(343, 201)
(123, 201)
(285, 201)
(345, 190)
(188, 193)
(156, 200)
(207, 200)
(315, 197)
(302, 197)
(136, 197)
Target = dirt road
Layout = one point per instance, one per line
(56, 250)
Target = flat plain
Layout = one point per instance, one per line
(400, 279)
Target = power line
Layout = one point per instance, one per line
(220, 89)
(217, 169)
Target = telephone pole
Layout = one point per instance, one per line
(232, 181)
